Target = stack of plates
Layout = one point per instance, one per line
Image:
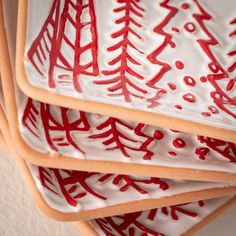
(121, 114)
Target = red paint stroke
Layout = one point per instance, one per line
(114, 138)
(124, 77)
(227, 150)
(125, 182)
(154, 101)
(153, 56)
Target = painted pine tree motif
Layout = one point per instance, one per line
(125, 182)
(47, 52)
(116, 139)
(57, 128)
(167, 29)
(218, 74)
(123, 79)
(74, 185)
(71, 185)
(145, 223)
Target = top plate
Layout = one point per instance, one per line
(151, 60)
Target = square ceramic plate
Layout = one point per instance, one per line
(70, 139)
(164, 63)
(181, 220)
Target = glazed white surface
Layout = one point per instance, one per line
(167, 226)
(187, 50)
(110, 191)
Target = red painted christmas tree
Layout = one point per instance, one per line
(68, 184)
(220, 96)
(123, 78)
(46, 54)
(116, 139)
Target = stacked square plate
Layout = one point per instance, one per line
(121, 114)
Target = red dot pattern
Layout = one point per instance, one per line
(179, 65)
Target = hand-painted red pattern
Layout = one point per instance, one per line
(74, 185)
(133, 225)
(52, 125)
(130, 182)
(225, 149)
(114, 136)
(61, 127)
(47, 47)
(124, 77)
(219, 73)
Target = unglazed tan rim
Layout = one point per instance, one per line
(88, 230)
(118, 209)
(53, 160)
(56, 161)
(104, 108)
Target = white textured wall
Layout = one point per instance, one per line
(19, 215)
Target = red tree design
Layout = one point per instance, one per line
(133, 224)
(51, 124)
(68, 184)
(47, 47)
(124, 78)
(130, 223)
(131, 182)
(115, 137)
(219, 96)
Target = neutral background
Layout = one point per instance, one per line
(19, 215)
